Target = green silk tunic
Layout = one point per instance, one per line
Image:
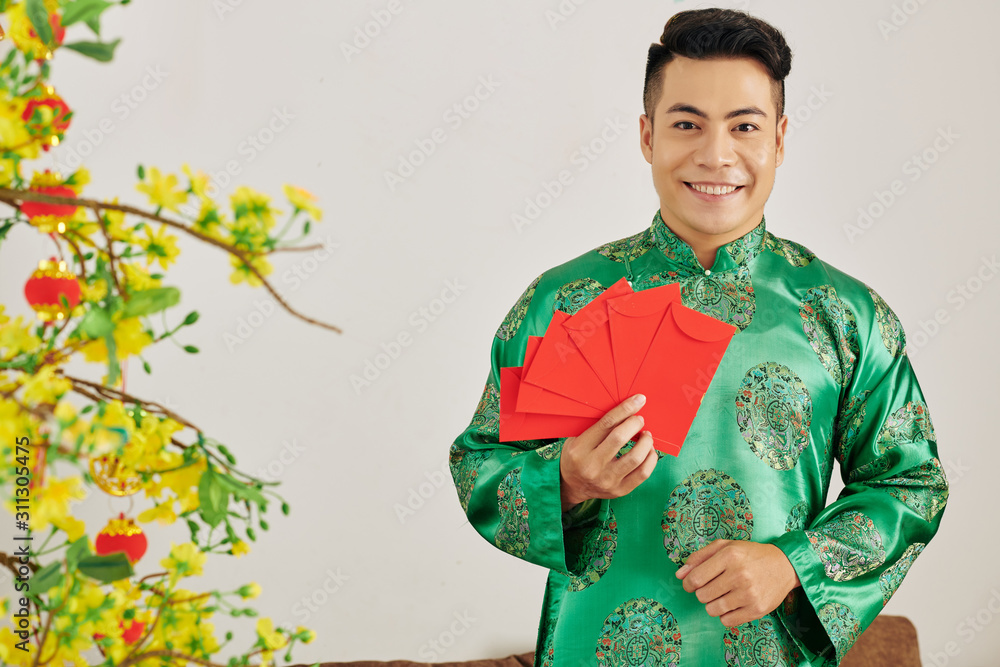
(816, 372)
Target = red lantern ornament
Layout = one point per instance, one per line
(49, 217)
(58, 33)
(52, 119)
(48, 282)
(121, 535)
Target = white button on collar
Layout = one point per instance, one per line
(708, 272)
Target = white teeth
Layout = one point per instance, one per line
(714, 190)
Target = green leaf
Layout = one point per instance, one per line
(191, 318)
(100, 51)
(97, 323)
(242, 491)
(305, 228)
(45, 578)
(212, 497)
(285, 508)
(76, 551)
(141, 171)
(39, 16)
(150, 301)
(146, 367)
(106, 568)
(82, 10)
(191, 349)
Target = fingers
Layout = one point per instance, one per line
(638, 463)
(701, 560)
(614, 417)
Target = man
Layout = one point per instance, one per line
(725, 554)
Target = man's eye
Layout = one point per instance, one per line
(684, 122)
(747, 125)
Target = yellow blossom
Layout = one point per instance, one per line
(162, 190)
(160, 247)
(199, 180)
(239, 548)
(130, 338)
(303, 199)
(45, 387)
(116, 224)
(52, 499)
(249, 204)
(163, 513)
(16, 137)
(137, 277)
(272, 639)
(16, 337)
(78, 179)
(22, 32)
(309, 634)
(249, 591)
(185, 560)
(242, 272)
(8, 170)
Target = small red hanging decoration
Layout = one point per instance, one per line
(49, 130)
(121, 535)
(49, 217)
(58, 33)
(48, 282)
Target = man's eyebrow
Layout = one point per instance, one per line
(680, 107)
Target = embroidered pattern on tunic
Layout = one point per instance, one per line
(512, 534)
(576, 294)
(798, 517)
(727, 295)
(487, 417)
(870, 469)
(633, 246)
(850, 419)
(551, 451)
(516, 314)
(640, 631)
(548, 654)
(595, 560)
(908, 424)
(740, 250)
(465, 464)
(832, 331)
(763, 642)
(924, 489)
(842, 626)
(708, 505)
(773, 412)
(795, 253)
(889, 326)
(849, 545)
(890, 580)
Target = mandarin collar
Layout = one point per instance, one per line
(735, 254)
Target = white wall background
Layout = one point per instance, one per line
(381, 587)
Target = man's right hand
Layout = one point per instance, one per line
(587, 463)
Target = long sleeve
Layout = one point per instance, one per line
(852, 556)
(511, 491)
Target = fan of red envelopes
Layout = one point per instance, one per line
(620, 344)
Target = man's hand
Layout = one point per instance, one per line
(588, 467)
(737, 580)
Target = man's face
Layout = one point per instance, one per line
(685, 148)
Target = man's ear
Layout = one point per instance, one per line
(646, 137)
(779, 140)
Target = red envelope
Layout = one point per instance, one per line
(621, 343)
(559, 367)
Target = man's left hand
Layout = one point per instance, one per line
(738, 580)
